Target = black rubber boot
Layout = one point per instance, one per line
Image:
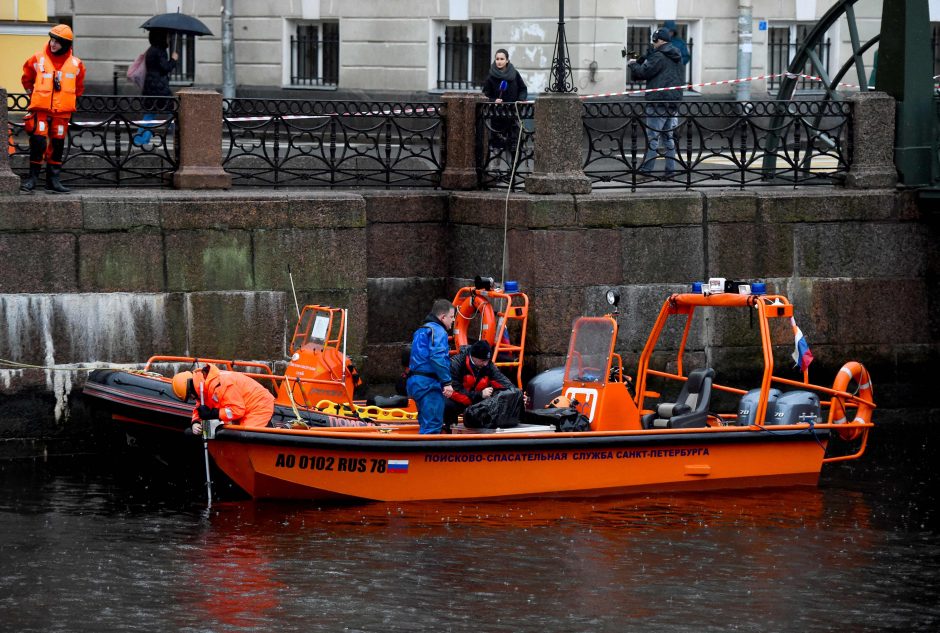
(29, 183)
(53, 184)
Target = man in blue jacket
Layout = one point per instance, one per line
(429, 368)
(662, 69)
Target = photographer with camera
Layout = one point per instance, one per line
(661, 68)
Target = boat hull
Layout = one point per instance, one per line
(333, 466)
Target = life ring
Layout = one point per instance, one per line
(852, 370)
(466, 311)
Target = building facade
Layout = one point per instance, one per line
(365, 48)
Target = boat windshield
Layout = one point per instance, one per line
(589, 351)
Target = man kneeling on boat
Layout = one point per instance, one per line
(475, 379)
(228, 396)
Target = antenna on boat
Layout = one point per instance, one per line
(290, 275)
(345, 328)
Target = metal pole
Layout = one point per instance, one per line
(228, 51)
(560, 53)
(745, 34)
(561, 65)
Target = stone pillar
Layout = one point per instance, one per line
(558, 134)
(9, 182)
(872, 148)
(200, 139)
(460, 110)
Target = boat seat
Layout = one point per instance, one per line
(690, 408)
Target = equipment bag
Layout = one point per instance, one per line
(564, 419)
(137, 71)
(501, 411)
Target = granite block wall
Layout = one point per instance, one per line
(111, 277)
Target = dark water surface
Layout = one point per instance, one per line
(88, 545)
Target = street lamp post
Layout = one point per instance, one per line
(561, 80)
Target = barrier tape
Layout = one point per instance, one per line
(722, 82)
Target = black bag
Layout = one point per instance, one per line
(501, 411)
(563, 419)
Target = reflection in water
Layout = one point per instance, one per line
(88, 547)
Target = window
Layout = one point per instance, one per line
(782, 44)
(638, 43)
(185, 72)
(463, 56)
(314, 55)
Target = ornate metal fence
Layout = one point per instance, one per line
(716, 143)
(112, 141)
(500, 126)
(334, 144)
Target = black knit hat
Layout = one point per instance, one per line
(662, 34)
(480, 349)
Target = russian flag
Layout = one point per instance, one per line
(802, 355)
(398, 466)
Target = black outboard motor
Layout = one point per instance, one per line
(545, 387)
(747, 409)
(795, 407)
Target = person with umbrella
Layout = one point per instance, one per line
(54, 79)
(159, 65)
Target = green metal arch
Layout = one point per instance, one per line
(807, 52)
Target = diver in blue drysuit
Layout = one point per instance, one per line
(429, 367)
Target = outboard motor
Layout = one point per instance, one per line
(795, 407)
(747, 409)
(545, 387)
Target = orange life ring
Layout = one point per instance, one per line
(852, 370)
(466, 310)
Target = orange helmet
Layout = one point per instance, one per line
(62, 32)
(561, 402)
(182, 384)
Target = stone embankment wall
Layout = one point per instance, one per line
(115, 277)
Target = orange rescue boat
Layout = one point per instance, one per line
(779, 432)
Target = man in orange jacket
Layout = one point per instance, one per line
(55, 79)
(231, 397)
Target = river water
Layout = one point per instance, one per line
(105, 545)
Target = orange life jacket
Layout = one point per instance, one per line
(45, 96)
(239, 399)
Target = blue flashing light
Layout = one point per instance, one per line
(758, 288)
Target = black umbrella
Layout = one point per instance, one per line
(179, 22)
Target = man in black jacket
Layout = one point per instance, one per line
(662, 68)
(474, 377)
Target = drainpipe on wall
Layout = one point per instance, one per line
(742, 90)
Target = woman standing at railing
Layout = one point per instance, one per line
(504, 84)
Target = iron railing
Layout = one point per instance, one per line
(718, 143)
(335, 144)
(505, 133)
(112, 141)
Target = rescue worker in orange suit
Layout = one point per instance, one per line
(55, 79)
(231, 397)
(474, 377)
